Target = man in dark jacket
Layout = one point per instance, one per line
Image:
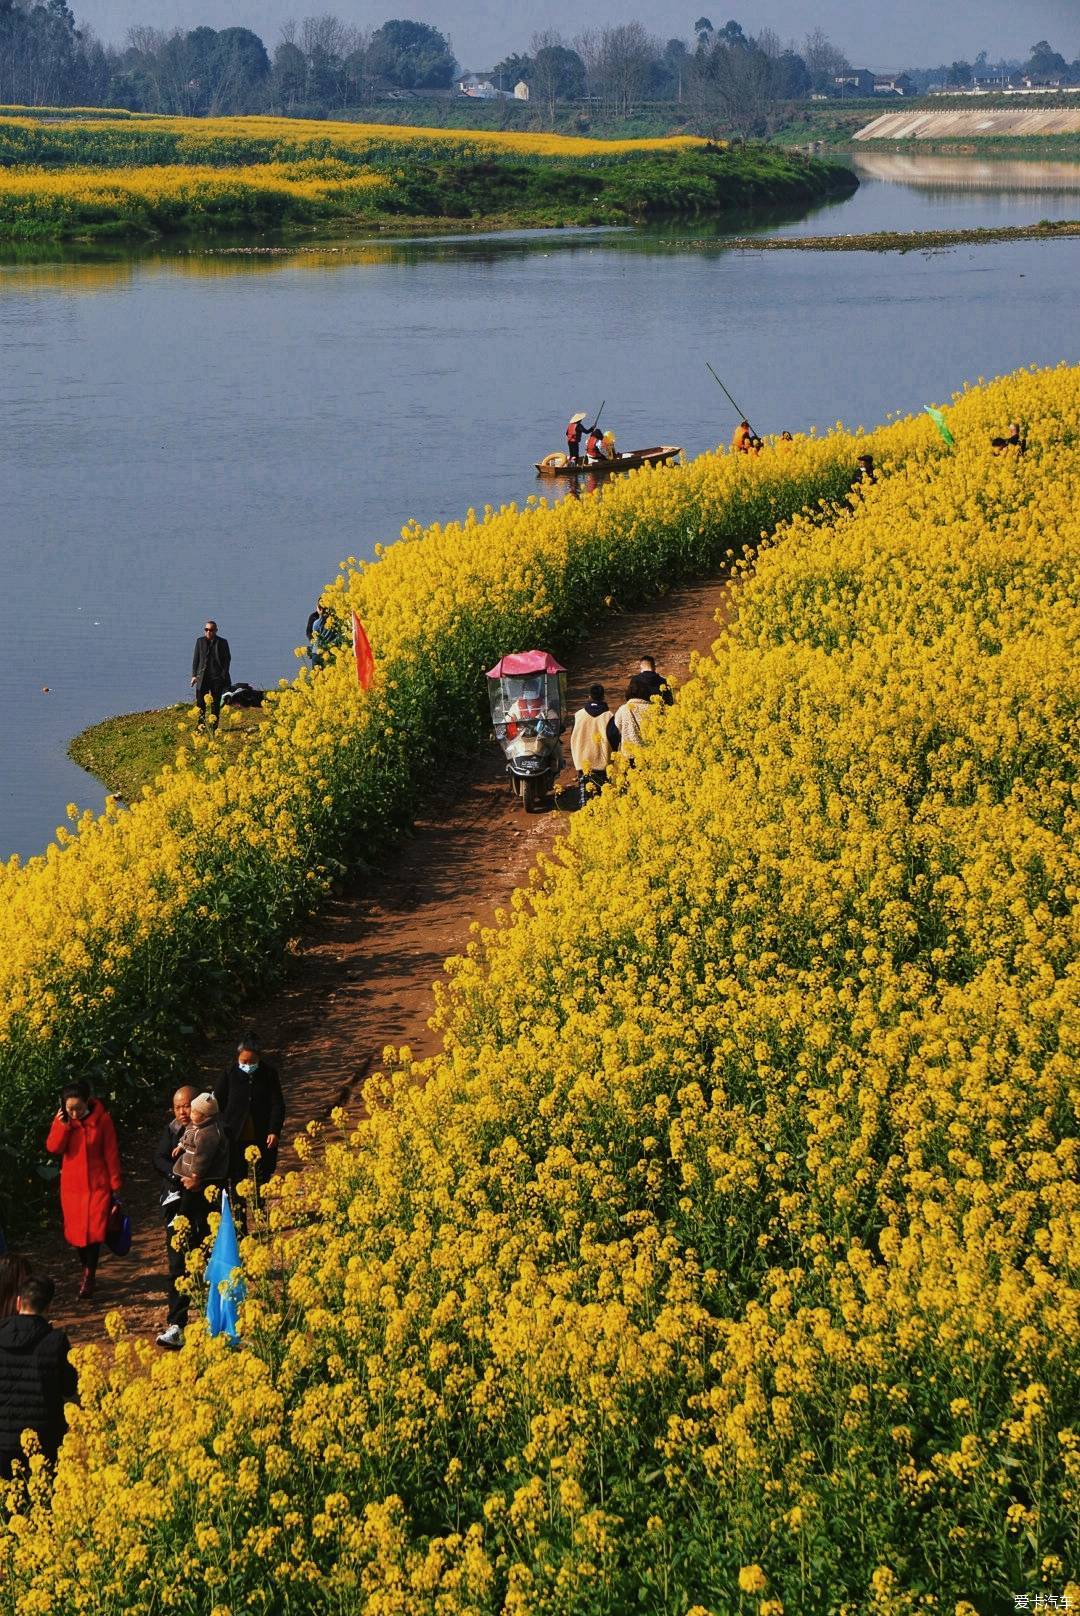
(36, 1379)
(652, 683)
(210, 663)
(252, 1110)
(169, 1200)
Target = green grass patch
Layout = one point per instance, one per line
(129, 752)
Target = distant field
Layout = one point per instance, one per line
(71, 177)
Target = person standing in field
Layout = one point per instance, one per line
(589, 745)
(36, 1379)
(172, 1190)
(252, 1110)
(210, 670)
(83, 1136)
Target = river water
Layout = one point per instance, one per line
(188, 434)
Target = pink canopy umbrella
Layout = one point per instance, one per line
(525, 662)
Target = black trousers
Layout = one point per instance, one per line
(212, 691)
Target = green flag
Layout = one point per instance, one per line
(939, 421)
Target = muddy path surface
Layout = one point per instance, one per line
(362, 973)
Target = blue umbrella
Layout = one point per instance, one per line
(225, 1278)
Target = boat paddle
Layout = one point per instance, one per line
(728, 396)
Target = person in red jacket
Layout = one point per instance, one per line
(84, 1138)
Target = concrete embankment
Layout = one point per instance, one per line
(974, 123)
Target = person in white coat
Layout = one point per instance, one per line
(589, 744)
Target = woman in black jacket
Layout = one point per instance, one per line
(252, 1108)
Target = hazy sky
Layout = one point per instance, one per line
(874, 34)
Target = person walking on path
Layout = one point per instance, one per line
(172, 1190)
(36, 1379)
(589, 745)
(83, 1136)
(252, 1110)
(624, 729)
(653, 683)
(210, 664)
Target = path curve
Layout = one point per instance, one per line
(362, 973)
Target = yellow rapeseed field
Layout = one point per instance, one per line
(296, 132)
(38, 196)
(725, 1259)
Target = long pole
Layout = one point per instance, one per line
(727, 395)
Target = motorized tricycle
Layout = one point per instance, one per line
(527, 691)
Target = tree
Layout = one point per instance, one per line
(620, 71)
(731, 87)
(558, 73)
(240, 70)
(288, 81)
(412, 56)
(823, 59)
(1046, 63)
(511, 70)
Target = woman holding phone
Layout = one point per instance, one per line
(84, 1138)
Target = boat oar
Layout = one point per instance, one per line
(728, 396)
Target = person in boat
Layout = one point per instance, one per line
(575, 431)
(740, 440)
(1013, 439)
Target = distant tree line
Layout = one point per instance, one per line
(724, 78)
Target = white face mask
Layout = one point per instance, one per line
(248, 1066)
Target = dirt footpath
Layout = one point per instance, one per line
(362, 976)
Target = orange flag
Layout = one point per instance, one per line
(365, 661)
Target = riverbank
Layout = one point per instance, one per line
(900, 240)
(144, 178)
(129, 751)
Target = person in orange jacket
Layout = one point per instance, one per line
(83, 1136)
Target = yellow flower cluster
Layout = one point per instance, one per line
(725, 1259)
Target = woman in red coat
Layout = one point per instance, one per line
(84, 1138)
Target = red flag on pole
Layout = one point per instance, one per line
(365, 661)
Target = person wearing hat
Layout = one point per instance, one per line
(575, 431)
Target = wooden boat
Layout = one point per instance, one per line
(557, 465)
